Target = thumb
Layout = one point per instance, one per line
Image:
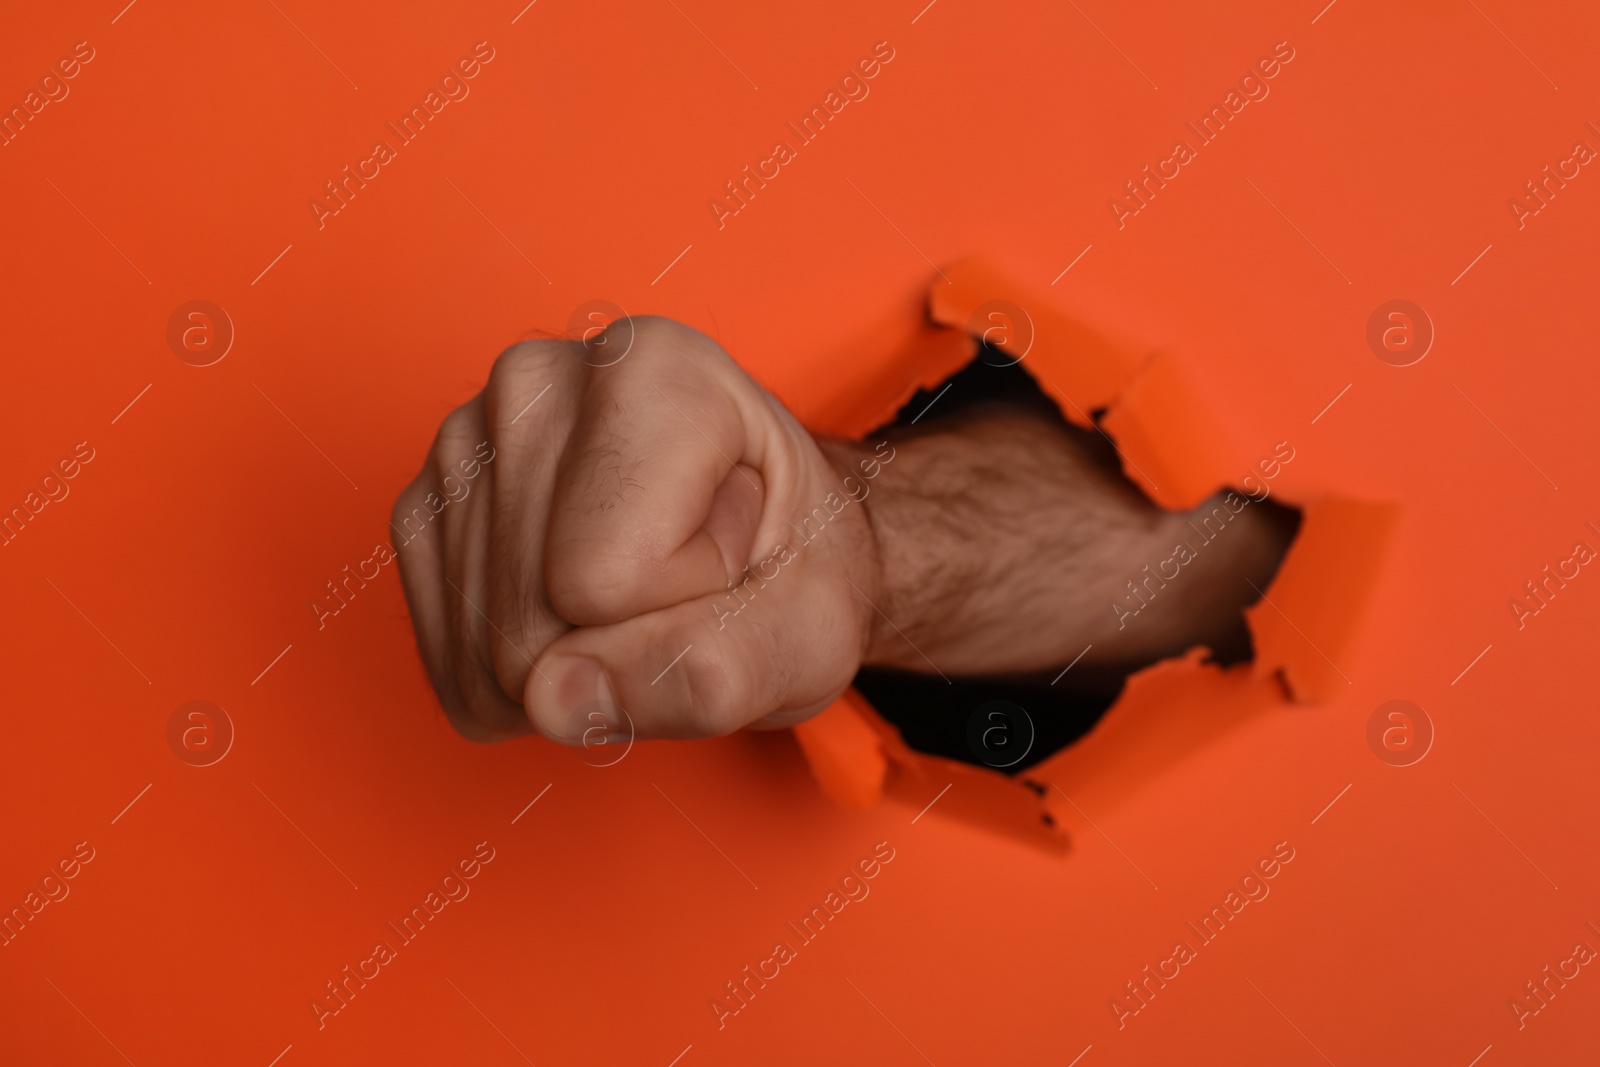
(734, 516)
(691, 670)
(570, 697)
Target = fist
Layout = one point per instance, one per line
(630, 536)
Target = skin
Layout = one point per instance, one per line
(622, 507)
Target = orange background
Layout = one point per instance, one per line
(188, 551)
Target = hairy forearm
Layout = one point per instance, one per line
(1005, 546)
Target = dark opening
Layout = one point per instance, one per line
(976, 719)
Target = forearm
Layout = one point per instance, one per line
(1004, 547)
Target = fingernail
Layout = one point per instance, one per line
(578, 697)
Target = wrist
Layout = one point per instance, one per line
(857, 467)
(923, 517)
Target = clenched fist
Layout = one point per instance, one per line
(631, 536)
(593, 571)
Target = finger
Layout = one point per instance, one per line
(657, 435)
(528, 403)
(490, 714)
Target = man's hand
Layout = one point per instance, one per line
(651, 538)
(597, 561)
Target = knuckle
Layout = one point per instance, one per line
(510, 370)
(404, 520)
(588, 586)
(453, 440)
(651, 325)
(721, 697)
(403, 504)
(455, 430)
(659, 335)
(516, 370)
